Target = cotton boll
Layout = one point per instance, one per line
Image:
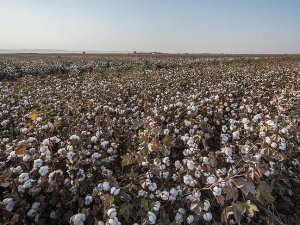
(217, 191)
(206, 205)
(115, 191)
(112, 212)
(211, 180)
(207, 216)
(37, 163)
(88, 200)
(151, 217)
(156, 206)
(23, 177)
(78, 219)
(190, 219)
(43, 170)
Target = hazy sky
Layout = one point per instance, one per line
(228, 26)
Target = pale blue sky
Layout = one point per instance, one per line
(228, 26)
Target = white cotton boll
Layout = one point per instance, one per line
(190, 219)
(96, 155)
(115, 191)
(46, 142)
(262, 134)
(166, 131)
(268, 140)
(35, 205)
(27, 184)
(78, 219)
(179, 218)
(152, 186)
(105, 186)
(100, 222)
(26, 157)
(210, 180)
(156, 206)
(23, 177)
(94, 139)
(177, 164)
(207, 216)
(217, 191)
(295, 162)
(37, 163)
(190, 165)
(284, 130)
(228, 151)
(283, 146)
(9, 204)
(44, 148)
(188, 179)
(43, 170)
(236, 135)
(274, 145)
(205, 160)
(113, 221)
(110, 150)
(224, 128)
(151, 217)
(112, 212)
(31, 212)
(88, 200)
(206, 205)
(176, 131)
(75, 138)
(165, 195)
(166, 161)
(245, 121)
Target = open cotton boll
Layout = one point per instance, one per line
(217, 191)
(43, 170)
(23, 177)
(74, 137)
(9, 204)
(206, 205)
(151, 217)
(190, 219)
(207, 216)
(78, 219)
(115, 191)
(111, 213)
(211, 180)
(88, 200)
(156, 206)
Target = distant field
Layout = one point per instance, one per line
(149, 139)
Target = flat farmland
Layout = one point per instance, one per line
(149, 139)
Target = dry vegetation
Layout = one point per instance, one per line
(149, 140)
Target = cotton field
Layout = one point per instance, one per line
(140, 139)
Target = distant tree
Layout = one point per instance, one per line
(134, 52)
(83, 52)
